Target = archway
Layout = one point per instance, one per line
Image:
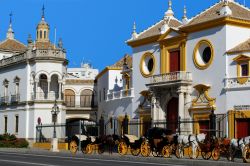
(172, 114)
(54, 86)
(43, 84)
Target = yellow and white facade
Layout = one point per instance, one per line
(194, 66)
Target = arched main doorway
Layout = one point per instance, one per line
(172, 114)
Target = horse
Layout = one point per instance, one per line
(190, 140)
(239, 144)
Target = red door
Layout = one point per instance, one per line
(243, 127)
(204, 126)
(174, 61)
(172, 114)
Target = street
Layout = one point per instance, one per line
(26, 158)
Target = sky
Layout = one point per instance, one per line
(92, 31)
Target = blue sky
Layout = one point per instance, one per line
(93, 30)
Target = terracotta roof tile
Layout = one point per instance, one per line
(12, 45)
(155, 29)
(119, 64)
(242, 47)
(238, 11)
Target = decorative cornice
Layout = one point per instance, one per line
(78, 81)
(216, 22)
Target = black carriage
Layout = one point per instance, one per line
(131, 142)
(158, 141)
(84, 140)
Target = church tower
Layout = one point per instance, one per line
(42, 30)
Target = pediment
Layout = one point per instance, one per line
(241, 58)
(170, 34)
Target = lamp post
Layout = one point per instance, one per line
(54, 112)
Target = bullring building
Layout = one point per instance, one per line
(186, 69)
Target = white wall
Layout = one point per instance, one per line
(214, 75)
(139, 82)
(19, 70)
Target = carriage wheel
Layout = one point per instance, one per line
(135, 152)
(89, 149)
(122, 148)
(193, 154)
(73, 147)
(246, 154)
(216, 154)
(166, 151)
(206, 155)
(145, 149)
(179, 152)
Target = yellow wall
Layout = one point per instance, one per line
(47, 146)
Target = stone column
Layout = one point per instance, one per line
(48, 93)
(36, 90)
(181, 103)
(60, 90)
(188, 103)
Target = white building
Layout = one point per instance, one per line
(32, 78)
(188, 68)
(80, 95)
(115, 94)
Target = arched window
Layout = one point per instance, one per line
(69, 98)
(17, 82)
(5, 84)
(41, 34)
(45, 34)
(87, 98)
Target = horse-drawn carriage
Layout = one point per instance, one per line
(85, 142)
(89, 144)
(159, 141)
(131, 142)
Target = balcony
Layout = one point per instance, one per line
(113, 95)
(46, 96)
(78, 102)
(169, 79)
(237, 83)
(15, 98)
(4, 100)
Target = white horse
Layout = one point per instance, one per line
(240, 143)
(190, 140)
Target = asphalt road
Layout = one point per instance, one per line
(66, 159)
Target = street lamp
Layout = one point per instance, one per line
(55, 111)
